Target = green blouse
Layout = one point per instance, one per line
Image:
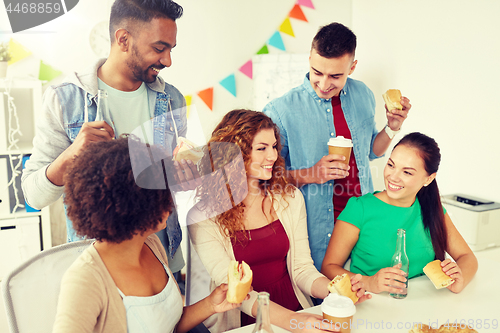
(378, 223)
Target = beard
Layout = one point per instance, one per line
(138, 71)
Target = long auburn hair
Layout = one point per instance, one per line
(238, 127)
(428, 196)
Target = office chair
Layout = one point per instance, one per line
(31, 291)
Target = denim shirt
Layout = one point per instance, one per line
(67, 106)
(306, 124)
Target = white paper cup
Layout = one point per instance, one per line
(339, 311)
(340, 146)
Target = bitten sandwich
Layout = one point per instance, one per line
(392, 98)
(187, 150)
(239, 277)
(341, 285)
(435, 273)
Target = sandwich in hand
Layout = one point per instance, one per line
(392, 98)
(341, 285)
(435, 273)
(187, 150)
(239, 278)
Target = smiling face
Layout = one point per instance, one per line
(405, 175)
(329, 75)
(263, 155)
(151, 45)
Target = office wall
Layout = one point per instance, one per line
(443, 55)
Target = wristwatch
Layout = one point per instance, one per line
(390, 132)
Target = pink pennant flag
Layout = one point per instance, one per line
(247, 69)
(305, 3)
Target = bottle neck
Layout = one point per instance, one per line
(263, 320)
(401, 241)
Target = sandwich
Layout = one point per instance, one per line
(239, 276)
(341, 285)
(445, 328)
(187, 150)
(422, 328)
(435, 273)
(392, 98)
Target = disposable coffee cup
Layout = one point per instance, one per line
(338, 311)
(341, 146)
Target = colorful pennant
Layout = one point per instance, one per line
(305, 3)
(263, 50)
(297, 13)
(207, 96)
(17, 51)
(47, 72)
(247, 69)
(230, 84)
(286, 27)
(277, 41)
(189, 100)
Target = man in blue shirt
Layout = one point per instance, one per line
(326, 105)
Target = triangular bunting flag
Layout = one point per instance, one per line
(286, 27)
(305, 3)
(47, 72)
(189, 100)
(207, 96)
(297, 13)
(247, 69)
(263, 50)
(17, 51)
(230, 84)
(277, 41)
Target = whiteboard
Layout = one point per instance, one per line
(276, 74)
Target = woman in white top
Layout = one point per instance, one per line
(122, 283)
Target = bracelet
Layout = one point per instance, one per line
(390, 133)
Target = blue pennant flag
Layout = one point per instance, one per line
(230, 84)
(277, 41)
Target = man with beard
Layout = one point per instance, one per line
(142, 35)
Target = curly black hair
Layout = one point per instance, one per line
(102, 196)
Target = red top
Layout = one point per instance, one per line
(265, 250)
(348, 187)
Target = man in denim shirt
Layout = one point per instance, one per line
(143, 34)
(326, 105)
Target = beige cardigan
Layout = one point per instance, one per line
(216, 251)
(89, 300)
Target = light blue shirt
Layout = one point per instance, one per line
(306, 124)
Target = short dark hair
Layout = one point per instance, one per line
(334, 40)
(142, 11)
(102, 197)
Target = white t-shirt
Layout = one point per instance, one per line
(128, 109)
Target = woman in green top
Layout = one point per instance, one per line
(411, 201)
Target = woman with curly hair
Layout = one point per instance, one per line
(121, 283)
(248, 211)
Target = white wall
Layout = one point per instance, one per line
(443, 55)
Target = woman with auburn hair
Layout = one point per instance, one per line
(121, 282)
(366, 229)
(248, 211)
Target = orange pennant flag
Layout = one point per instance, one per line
(207, 96)
(286, 27)
(297, 13)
